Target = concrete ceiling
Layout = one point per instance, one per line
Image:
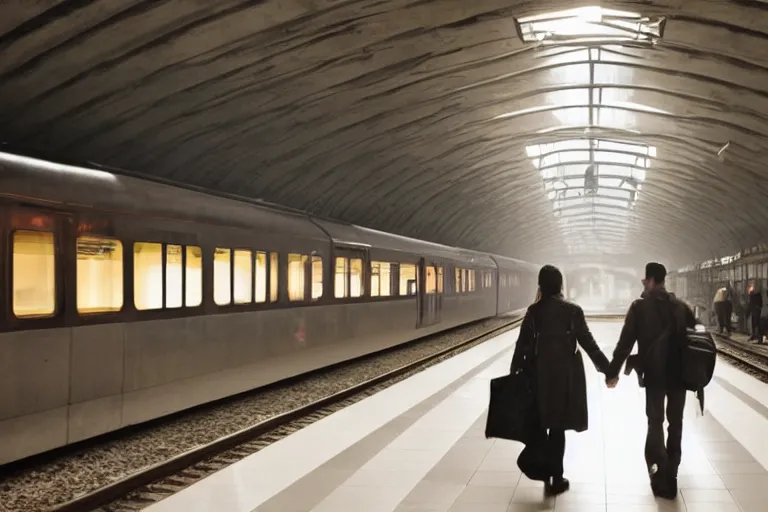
(410, 116)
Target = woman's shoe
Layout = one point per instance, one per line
(557, 486)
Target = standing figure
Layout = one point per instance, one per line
(547, 349)
(657, 322)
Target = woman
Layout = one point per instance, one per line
(547, 350)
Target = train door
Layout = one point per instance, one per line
(430, 291)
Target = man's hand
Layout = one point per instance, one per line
(611, 383)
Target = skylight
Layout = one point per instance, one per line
(594, 186)
(587, 24)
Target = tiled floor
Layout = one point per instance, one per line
(419, 446)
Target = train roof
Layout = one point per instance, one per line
(350, 234)
(512, 263)
(29, 178)
(26, 177)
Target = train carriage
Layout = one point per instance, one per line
(125, 299)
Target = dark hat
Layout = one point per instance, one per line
(655, 271)
(550, 281)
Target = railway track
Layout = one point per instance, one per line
(744, 356)
(163, 479)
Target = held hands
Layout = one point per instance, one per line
(611, 383)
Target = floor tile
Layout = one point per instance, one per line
(486, 494)
(706, 496)
(496, 478)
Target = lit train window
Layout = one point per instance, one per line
(464, 280)
(440, 279)
(317, 277)
(296, 265)
(341, 272)
(407, 279)
(147, 275)
(260, 276)
(457, 288)
(273, 277)
(222, 277)
(194, 277)
(243, 277)
(471, 280)
(99, 275)
(355, 277)
(431, 284)
(34, 274)
(173, 276)
(381, 279)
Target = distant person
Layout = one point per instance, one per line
(657, 321)
(755, 307)
(547, 350)
(722, 310)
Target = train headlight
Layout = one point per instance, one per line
(700, 328)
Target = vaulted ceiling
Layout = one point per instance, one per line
(640, 132)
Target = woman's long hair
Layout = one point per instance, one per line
(550, 282)
(538, 296)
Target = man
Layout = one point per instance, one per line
(755, 307)
(721, 310)
(657, 321)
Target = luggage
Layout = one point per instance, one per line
(536, 459)
(512, 409)
(699, 355)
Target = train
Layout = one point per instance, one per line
(126, 299)
(697, 284)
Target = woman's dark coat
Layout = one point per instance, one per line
(559, 381)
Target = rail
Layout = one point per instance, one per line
(118, 489)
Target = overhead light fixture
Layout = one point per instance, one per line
(592, 23)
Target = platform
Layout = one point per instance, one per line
(419, 446)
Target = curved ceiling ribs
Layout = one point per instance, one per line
(417, 117)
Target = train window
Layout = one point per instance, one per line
(431, 282)
(464, 278)
(194, 277)
(222, 276)
(471, 277)
(355, 277)
(317, 277)
(173, 273)
(296, 265)
(99, 275)
(341, 272)
(440, 279)
(457, 288)
(34, 274)
(260, 276)
(147, 275)
(407, 279)
(381, 279)
(243, 277)
(273, 277)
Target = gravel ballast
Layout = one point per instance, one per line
(43, 487)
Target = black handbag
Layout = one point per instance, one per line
(512, 411)
(536, 459)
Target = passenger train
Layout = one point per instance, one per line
(125, 299)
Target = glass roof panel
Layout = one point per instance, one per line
(592, 183)
(589, 23)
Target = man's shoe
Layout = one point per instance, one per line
(557, 486)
